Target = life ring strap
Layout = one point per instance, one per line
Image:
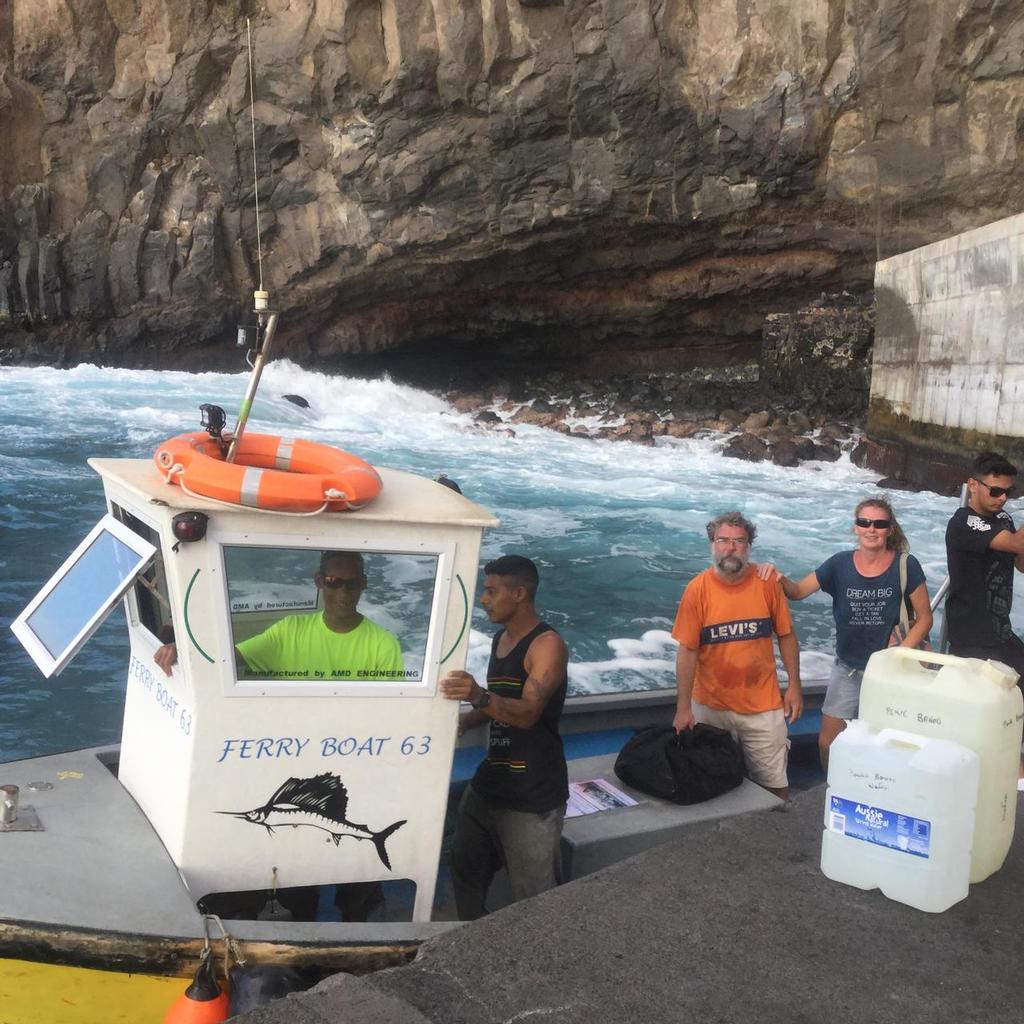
(283, 457)
(249, 489)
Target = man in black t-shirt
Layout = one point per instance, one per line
(512, 811)
(982, 550)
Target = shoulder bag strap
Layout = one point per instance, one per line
(904, 614)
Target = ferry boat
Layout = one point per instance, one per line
(240, 777)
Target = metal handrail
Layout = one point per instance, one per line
(940, 594)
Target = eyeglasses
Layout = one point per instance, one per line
(346, 582)
(740, 542)
(878, 524)
(996, 492)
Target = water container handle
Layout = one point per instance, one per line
(995, 671)
(911, 739)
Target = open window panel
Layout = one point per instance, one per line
(81, 593)
(149, 600)
(360, 621)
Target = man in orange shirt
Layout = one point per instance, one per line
(725, 668)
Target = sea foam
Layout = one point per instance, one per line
(617, 529)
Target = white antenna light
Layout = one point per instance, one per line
(260, 293)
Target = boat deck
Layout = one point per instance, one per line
(114, 872)
(97, 887)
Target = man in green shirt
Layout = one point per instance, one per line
(338, 643)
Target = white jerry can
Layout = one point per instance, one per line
(968, 701)
(899, 815)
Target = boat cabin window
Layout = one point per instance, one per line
(151, 602)
(80, 594)
(303, 617)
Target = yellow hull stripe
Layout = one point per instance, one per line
(32, 993)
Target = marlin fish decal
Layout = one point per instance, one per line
(320, 802)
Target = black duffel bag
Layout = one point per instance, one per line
(686, 768)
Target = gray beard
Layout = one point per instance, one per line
(729, 565)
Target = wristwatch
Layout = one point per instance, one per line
(482, 701)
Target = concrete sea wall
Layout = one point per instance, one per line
(948, 370)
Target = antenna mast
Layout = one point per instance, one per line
(255, 175)
(266, 318)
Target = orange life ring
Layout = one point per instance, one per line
(269, 472)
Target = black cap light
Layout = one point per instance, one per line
(189, 526)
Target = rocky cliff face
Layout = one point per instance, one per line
(599, 182)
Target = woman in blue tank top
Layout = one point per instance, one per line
(867, 587)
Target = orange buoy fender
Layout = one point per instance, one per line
(269, 472)
(203, 1002)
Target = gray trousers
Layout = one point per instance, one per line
(488, 837)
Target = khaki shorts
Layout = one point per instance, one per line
(762, 737)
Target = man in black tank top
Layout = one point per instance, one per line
(511, 813)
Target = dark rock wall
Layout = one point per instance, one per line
(593, 182)
(819, 358)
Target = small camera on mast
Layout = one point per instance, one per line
(212, 420)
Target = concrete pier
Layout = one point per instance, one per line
(948, 366)
(734, 923)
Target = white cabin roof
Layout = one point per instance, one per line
(405, 498)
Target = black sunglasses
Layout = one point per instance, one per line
(337, 582)
(878, 524)
(996, 492)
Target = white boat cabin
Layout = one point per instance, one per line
(266, 758)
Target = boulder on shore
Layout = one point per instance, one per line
(748, 447)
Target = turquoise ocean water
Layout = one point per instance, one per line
(616, 529)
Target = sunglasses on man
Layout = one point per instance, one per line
(878, 524)
(997, 492)
(348, 582)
